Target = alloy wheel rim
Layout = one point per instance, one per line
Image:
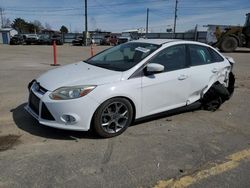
(114, 117)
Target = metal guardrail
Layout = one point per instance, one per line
(200, 36)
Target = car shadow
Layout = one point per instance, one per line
(27, 123)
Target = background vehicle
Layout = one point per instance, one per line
(233, 36)
(104, 40)
(17, 39)
(31, 39)
(96, 40)
(112, 40)
(109, 40)
(57, 38)
(44, 39)
(128, 35)
(78, 41)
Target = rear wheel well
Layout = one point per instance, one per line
(215, 96)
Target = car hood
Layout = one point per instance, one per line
(77, 74)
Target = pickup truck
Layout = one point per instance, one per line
(31, 39)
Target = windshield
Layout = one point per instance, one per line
(123, 57)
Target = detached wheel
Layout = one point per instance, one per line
(113, 117)
(229, 44)
(213, 105)
(211, 100)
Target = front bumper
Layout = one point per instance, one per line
(51, 112)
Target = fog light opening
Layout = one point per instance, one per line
(68, 119)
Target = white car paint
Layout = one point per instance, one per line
(149, 94)
(164, 91)
(77, 74)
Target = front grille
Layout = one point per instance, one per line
(34, 102)
(42, 89)
(37, 87)
(45, 114)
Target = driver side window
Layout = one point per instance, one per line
(172, 58)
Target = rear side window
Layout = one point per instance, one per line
(199, 55)
(216, 57)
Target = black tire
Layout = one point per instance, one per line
(98, 118)
(213, 105)
(211, 100)
(229, 44)
(230, 87)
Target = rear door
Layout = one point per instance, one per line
(205, 70)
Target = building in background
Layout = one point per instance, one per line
(6, 34)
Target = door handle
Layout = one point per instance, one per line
(215, 70)
(182, 77)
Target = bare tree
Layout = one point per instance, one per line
(1, 16)
(38, 25)
(47, 26)
(6, 23)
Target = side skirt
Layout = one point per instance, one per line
(191, 107)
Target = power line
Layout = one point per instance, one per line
(89, 6)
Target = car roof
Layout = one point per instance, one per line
(156, 41)
(165, 41)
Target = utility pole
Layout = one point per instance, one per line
(1, 14)
(147, 23)
(175, 15)
(86, 23)
(195, 32)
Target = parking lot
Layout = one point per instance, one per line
(196, 149)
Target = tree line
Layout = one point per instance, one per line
(23, 26)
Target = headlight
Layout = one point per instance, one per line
(74, 92)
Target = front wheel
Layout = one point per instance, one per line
(113, 117)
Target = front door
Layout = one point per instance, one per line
(169, 89)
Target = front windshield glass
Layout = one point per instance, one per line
(123, 57)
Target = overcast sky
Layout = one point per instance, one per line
(119, 15)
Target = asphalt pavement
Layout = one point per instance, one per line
(192, 149)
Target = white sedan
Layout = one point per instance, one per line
(137, 79)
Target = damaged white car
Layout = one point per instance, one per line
(127, 82)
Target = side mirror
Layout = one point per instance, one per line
(153, 68)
